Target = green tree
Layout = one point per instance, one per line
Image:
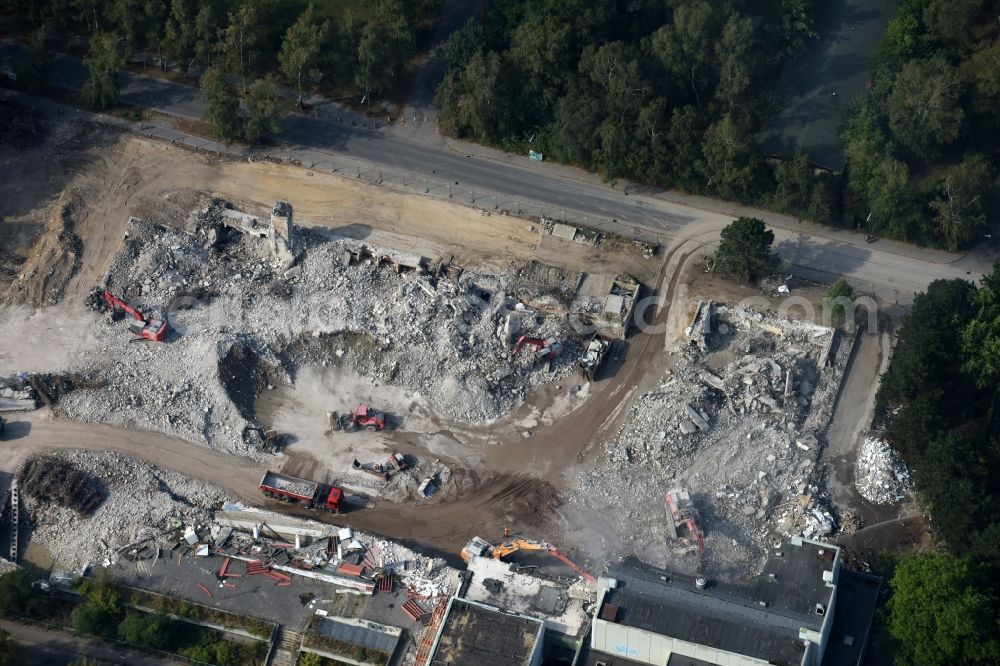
(982, 72)
(301, 48)
(477, 102)
(685, 163)
(981, 337)
(467, 41)
(103, 62)
(951, 22)
(939, 614)
(960, 206)
(310, 659)
(735, 53)
(894, 203)
(263, 105)
(181, 35)
(745, 250)
(685, 46)
(16, 593)
(207, 26)
(222, 109)
(837, 302)
(387, 41)
(731, 160)
(924, 387)
(146, 630)
(240, 39)
(798, 190)
(923, 107)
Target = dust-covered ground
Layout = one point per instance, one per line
(738, 425)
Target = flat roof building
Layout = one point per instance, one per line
(480, 634)
(784, 617)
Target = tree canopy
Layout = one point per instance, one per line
(937, 404)
(745, 250)
(920, 148)
(658, 92)
(941, 615)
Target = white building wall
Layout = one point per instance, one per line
(650, 648)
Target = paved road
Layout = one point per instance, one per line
(49, 647)
(423, 162)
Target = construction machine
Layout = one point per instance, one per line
(545, 348)
(362, 417)
(152, 328)
(396, 463)
(479, 547)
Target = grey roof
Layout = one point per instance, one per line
(837, 61)
(730, 617)
(857, 595)
(356, 635)
(476, 634)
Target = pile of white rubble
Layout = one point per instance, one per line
(881, 478)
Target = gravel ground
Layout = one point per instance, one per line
(241, 323)
(744, 471)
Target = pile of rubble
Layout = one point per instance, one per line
(881, 477)
(141, 501)
(240, 321)
(737, 421)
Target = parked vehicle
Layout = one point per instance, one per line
(302, 491)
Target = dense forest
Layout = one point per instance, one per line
(347, 45)
(922, 150)
(664, 92)
(940, 405)
(674, 93)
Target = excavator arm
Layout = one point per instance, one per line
(504, 549)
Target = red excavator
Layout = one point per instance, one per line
(362, 417)
(153, 328)
(548, 348)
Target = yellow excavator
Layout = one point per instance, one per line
(479, 547)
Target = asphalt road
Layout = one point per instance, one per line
(423, 161)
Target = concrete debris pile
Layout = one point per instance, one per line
(236, 327)
(17, 393)
(423, 575)
(561, 602)
(141, 502)
(739, 424)
(881, 477)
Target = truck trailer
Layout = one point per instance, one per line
(302, 491)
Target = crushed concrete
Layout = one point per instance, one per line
(740, 425)
(241, 322)
(140, 501)
(881, 477)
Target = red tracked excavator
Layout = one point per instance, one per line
(152, 328)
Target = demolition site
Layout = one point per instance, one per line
(383, 428)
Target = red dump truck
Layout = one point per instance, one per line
(293, 489)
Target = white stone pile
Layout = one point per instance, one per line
(881, 477)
